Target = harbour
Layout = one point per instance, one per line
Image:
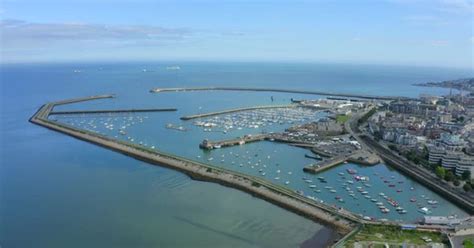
(339, 219)
(227, 155)
(101, 179)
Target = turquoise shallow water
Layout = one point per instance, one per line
(59, 192)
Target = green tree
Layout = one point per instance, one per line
(466, 175)
(449, 176)
(456, 182)
(467, 187)
(440, 172)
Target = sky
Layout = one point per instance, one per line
(402, 32)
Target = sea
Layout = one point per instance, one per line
(56, 191)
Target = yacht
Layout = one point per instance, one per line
(424, 210)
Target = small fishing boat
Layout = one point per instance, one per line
(385, 210)
(351, 171)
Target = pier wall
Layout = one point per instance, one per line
(106, 111)
(190, 117)
(309, 92)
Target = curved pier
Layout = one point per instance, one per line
(309, 92)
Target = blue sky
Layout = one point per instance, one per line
(411, 32)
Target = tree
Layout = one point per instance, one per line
(456, 182)
(440, 172)
(467, 187)
(466, 175)
(449, 176)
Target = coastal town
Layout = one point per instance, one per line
(429, 139)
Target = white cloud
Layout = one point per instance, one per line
(456, 6)
(17, 32)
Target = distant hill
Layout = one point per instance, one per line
(466, 84)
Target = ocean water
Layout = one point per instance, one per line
(58, 191)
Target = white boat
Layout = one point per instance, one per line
(424, 210)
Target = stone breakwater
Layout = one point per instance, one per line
(308, 92)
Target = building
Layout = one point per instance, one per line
(448, 152)
(450, 142)
(441, 220)
(456, 161)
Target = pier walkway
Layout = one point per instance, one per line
(309, 92)
(206, 144)
(358, 157)
(190, 117)
(107, 111)
(274, 137)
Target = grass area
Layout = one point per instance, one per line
(468, 243)
(392, 235)
(342, 118)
